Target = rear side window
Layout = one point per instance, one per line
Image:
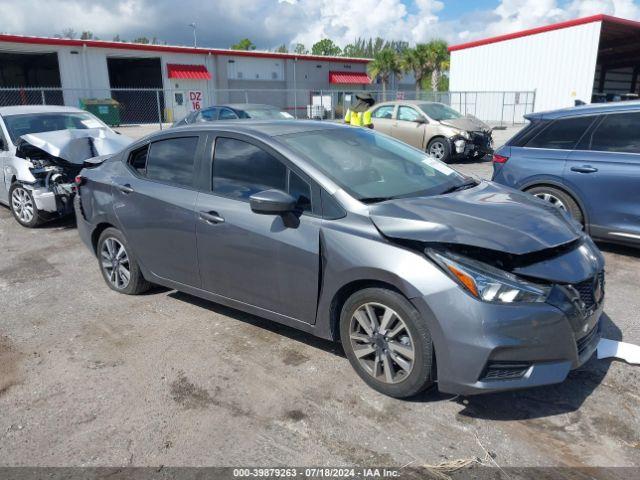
(208, 115)
(241, 169)
(172, 160)
(618, 132)
(562, 134)
(386, 111)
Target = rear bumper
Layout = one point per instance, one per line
(483, 348)
(84, 227)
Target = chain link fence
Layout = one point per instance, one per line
(140, 106)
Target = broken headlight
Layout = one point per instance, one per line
(487, 283)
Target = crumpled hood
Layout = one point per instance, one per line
(487, 216)
(468, 123)
(76, 145)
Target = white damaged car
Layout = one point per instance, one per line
(42, 149)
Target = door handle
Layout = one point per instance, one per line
(211, 217)
(584, 169)
(126, 188)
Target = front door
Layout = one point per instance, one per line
(154, 201)
(409, 126)
(605, 171)
(267, 261)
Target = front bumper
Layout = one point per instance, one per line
(57, 199)
(477, 145)
(482, 347)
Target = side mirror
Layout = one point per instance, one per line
(420, 120)
(272, 202)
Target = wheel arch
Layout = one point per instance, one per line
(344, 292)
(97, 231)
(560, 186)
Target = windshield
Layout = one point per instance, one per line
(22, 124)
(373, 167)
(266, 113)
(439, 111)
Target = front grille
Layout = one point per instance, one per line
(587, 292)
(505, 370)
(584, 342)
(481, 139)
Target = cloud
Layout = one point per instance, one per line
(269, 23)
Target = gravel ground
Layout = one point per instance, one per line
(89, 377)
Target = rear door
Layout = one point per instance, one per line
(408, 127)
(542, 157)
(383, 118)
(266, 261)
(605, 171)
(155, 205)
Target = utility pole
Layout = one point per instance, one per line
(195, 38)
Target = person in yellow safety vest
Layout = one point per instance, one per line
(359, 114)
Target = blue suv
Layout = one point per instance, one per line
(584, 160)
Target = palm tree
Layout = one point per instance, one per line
(416, 61)
(385, 64)
(438, 55)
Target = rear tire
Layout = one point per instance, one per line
(23, 206)
(440, 149)
(394, 353)
(558, 199)
(119, 267)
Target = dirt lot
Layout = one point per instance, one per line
(89, 377)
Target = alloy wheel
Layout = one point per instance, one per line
(115, 263)
(382, 343)
(22, 204)
(552, 199)
(437, 150)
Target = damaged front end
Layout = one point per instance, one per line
(55, 158)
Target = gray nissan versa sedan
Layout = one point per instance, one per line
(423, 274)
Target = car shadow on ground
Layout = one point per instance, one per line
(619, 249)
(519, 405)
(284, 330)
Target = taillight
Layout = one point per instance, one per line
(79, 180)
(499, 158)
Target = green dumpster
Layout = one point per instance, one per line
(106, 109)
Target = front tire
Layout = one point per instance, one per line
(558, 199)
(23, 206)
(440, 149)
(387, 342)
(119, 267)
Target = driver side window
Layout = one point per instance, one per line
(408, 114)
(241, 169)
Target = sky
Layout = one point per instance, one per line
(270, 23)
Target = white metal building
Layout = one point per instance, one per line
(562, 63)
(183, 78)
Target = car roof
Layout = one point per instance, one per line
(25, 109)
(407, 102)
(269, 128)
(243, 106)
(591, 109)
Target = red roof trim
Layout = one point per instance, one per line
(351, 78)
(170, 48)
(190, 72)
(546, 28)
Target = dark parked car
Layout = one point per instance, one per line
(234, 111)
(584, 160)
(423, 274)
